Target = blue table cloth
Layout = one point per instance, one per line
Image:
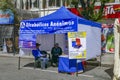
(69, 65)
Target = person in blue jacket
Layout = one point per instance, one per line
(40, 57)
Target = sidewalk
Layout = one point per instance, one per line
(9, 71)
(106, 60)
(9, 67)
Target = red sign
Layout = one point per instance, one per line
(110, 11)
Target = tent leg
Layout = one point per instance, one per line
(18, 63)
(77, 69)
(54, 38)
(100, 60)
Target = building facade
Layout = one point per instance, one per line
(44, 7)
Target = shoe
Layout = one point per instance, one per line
(43, 68)
(53, 64)
(46, 66)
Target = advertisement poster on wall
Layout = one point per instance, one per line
(107, 38)
(6, 17)
(77, 45)
(9, 44)
(110, 11)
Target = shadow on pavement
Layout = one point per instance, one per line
(29, 65)
(88, 68)
(109, 72)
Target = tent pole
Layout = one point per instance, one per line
(100, 60)
(14, 40)
(77, 68)
(19, 63)
(54, 39)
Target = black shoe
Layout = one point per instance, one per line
(46, 66)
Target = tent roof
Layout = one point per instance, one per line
(64, 13)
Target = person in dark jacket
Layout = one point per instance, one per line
(56, 52)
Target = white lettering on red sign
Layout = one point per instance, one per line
(109, 10)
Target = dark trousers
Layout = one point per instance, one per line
(55, 59)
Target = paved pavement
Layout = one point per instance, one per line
(9, 71)
(107, 59)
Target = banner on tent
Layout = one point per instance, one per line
(30, 29)
(77, 45)
(27, 41)
(54, 26)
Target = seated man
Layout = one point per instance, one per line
(56, 52)
(40, 57)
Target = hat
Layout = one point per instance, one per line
(37, 44)
(56, 44)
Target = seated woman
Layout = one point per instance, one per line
(40, 57)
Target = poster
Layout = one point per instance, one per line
(107, 38)
(77, 45)
(6, 31)
(27, 41)
(9, 44)
(6, 17)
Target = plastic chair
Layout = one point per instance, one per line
(45, 53)
(48, 56)
(36, 61)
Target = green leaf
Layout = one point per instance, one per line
(88, 10)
